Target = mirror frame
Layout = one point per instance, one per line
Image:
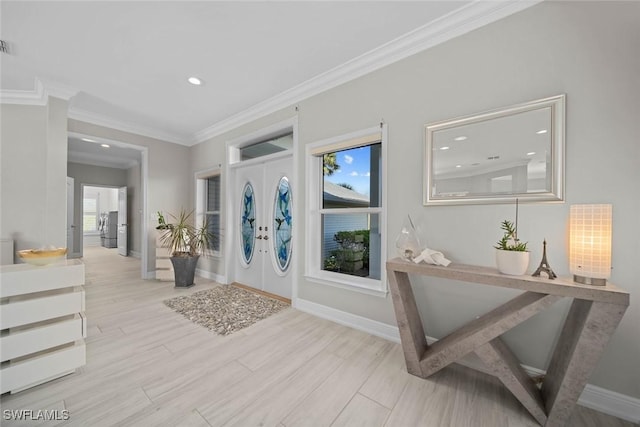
(556, 193)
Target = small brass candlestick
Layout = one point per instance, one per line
(544, 265)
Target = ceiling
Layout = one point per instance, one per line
(126, 63)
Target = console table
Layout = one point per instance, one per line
(594, 315)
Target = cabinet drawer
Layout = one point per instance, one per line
(38, 338)
(45, 367)
(37, 309)
(21, 279)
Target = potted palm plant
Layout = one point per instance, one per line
(185, 242)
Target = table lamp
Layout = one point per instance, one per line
(590, 243)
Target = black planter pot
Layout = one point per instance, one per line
(184, 268)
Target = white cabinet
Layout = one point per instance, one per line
(42, 321)
(164, 268)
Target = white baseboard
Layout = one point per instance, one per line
(360, 323)
(135, 254)
(211, 276)
(612, 403)
(600, 399)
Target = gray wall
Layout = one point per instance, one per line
(33, 151)
(168, 188)
(587, 50)
(134, 207)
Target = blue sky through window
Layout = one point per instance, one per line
(355, 164)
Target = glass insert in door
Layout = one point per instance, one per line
(282, 224)
(247, 225)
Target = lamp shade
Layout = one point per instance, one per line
(590, 243)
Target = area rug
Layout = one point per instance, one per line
(225, 309)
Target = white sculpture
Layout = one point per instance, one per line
(432, 257)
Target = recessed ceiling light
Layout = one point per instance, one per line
(87, 140)
(444, 148)
(105, 145)
(460, 138)
(531, 153)
(194, 81)
(458, 166)
(541, 131)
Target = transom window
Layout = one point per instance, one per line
(265, 148)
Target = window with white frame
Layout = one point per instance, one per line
(208, 207)
(90, 211)
(347, 210)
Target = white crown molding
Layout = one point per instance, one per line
(36, 96)
(39, 95)
(43, 89)
(454, 24)
(594, 397)
(57, 90)
(467, 18)
(105, 121)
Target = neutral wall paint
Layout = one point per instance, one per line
(56, 173)
(587, 50)
(168, 174)
(33, 143)
(134, 209)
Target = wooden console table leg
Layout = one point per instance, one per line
(412, 336)
(505, 365)
(586, 331)
(485, 328)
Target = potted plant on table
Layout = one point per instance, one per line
(512, 256)
(185, 242)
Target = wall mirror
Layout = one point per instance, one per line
(498, 155)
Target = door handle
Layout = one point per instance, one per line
(266, 237)
(258, 237)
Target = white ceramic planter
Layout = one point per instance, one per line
(514, 263)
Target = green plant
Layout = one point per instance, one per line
(510, 241)
(329, 164)
(332, 263)
(162, 223)
(184, 239)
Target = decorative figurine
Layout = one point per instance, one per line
(544, 265)
(408, 242)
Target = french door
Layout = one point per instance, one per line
(263, 226)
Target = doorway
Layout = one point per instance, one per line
(97, 161)
(263, 201)
(104, 217)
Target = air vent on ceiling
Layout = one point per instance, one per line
(4, 46)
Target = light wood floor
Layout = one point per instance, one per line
(149, 366)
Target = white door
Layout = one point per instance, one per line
(122, 221)
(263, 226)
(70, 216)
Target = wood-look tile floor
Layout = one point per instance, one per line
(149, 366)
